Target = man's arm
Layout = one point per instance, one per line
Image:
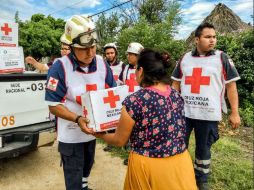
(64, 113)
(232, 94)
(39, 66)
(123, 131)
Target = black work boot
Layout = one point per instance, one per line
(86, 188)
(125, 162)
(108, 148)
(203, 186)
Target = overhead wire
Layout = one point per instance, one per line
(109, 8)
(69, 6)
(120, 7)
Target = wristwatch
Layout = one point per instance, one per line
(77, 118)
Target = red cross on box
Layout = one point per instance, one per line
(85, 112)
(78, 99)
(111, 99)
(88, 87)
(6, 29)
(196, 80)
(131, 82)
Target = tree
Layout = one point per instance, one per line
(41, 36)
(17, 19)
(156, 11)
(108, 28)
(155, 35)
(153, 11)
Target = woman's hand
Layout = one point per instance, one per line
(100, 134)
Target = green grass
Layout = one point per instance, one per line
(231, 168)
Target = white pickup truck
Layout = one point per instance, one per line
(24, 117)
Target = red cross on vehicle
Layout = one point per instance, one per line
(196, 80)
(111, 99)
(88, 87)
(6, 29)
(131, 82)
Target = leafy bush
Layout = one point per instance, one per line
(40, 37)
(247, 113)
(240, 48)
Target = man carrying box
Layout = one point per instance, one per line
(69, 77)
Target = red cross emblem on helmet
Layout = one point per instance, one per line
(68, 30)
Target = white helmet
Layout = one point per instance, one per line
(135, 48)
(64, 40)
(80, 32)
(110, 45)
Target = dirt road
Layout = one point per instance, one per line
(39, 170)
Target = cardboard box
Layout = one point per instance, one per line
(103, 107)
(11, 60)
(8, 34)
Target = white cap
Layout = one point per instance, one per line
(135, 48)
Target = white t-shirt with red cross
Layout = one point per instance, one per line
(129, 78)
(203, 80)
(116, 70)
(77, 84)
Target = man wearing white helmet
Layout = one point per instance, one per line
(110, 51)
(116, 65)
(40, 67)
(70, 76)
(127, 75)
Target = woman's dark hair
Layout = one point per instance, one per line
(201, 27)
(154, 66)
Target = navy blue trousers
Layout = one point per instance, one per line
(206, 134)
(77, 159)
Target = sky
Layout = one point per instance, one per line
(193, 12)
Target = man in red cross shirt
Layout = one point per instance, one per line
(127, 76)
(68, 78)
(202, 76)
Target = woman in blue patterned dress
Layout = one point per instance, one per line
(153, 119)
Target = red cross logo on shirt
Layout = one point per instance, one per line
(91, 87)
(52, 81)
(131, 82)
(111, 99)
(6, 29)
(52, 84)
(88, 87)
(196, 80)
(115, 77)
